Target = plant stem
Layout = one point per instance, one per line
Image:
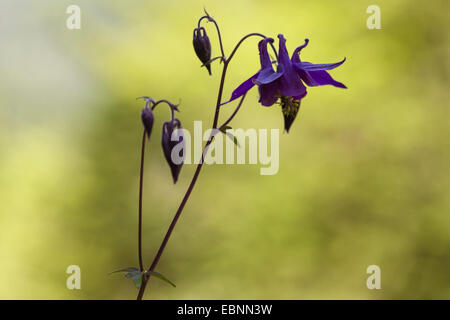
(189, 190)
(234, 113)
(141, 179)
(245, 38)
(169, 231)
(207, 16)
(146, 276)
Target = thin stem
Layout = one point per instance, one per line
(201, 18)
(188, 192)
(207, 16)
(234, 113)
(146, 276)
(141, 179)
(219, 95)
(220, 37)
(171, 105)
(169, 231)
(248, 36)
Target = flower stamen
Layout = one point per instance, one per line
(290, 107)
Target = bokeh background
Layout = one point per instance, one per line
(364, 174)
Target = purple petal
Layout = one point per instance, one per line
(323, 78)
(263, 54)
(316, 67)
(318, 78)
(290, 83)
(301, 96)
(283, 56)
(267, 76)
(243, 88)
(295, 58)
(292, 86)
(268, 94)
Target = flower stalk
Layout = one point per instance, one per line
(200, 165)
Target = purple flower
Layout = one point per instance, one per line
(286, 83)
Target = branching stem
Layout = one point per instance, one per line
(226, 62)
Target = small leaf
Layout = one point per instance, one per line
(133, 273)
(160, 276)
(136, 276)
(127, 269)
(229, 135)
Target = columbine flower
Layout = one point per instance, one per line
(202, 47)
(286, 84)
(172, 135)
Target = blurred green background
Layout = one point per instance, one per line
(364, 174)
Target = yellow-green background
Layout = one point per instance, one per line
(364, 174)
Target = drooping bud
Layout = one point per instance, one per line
(202, 47)
(147, 120)
(173, 146)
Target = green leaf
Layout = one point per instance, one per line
(229, 135)
(160, 276)
(136, 275)
(127, 269)
(133, 273)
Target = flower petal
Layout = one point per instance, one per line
(283, 56)
(300, 96)
(316, 67)
(267, 76)
(295, 58)
(268, 94)
(263, 54)
(243, 88)
(290, 83)
(317, 78)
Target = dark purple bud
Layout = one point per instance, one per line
(147, 120)
(202, 47)
(173, 146)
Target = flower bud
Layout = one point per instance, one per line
(147, 120)
(202, 47)
(173, 146)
